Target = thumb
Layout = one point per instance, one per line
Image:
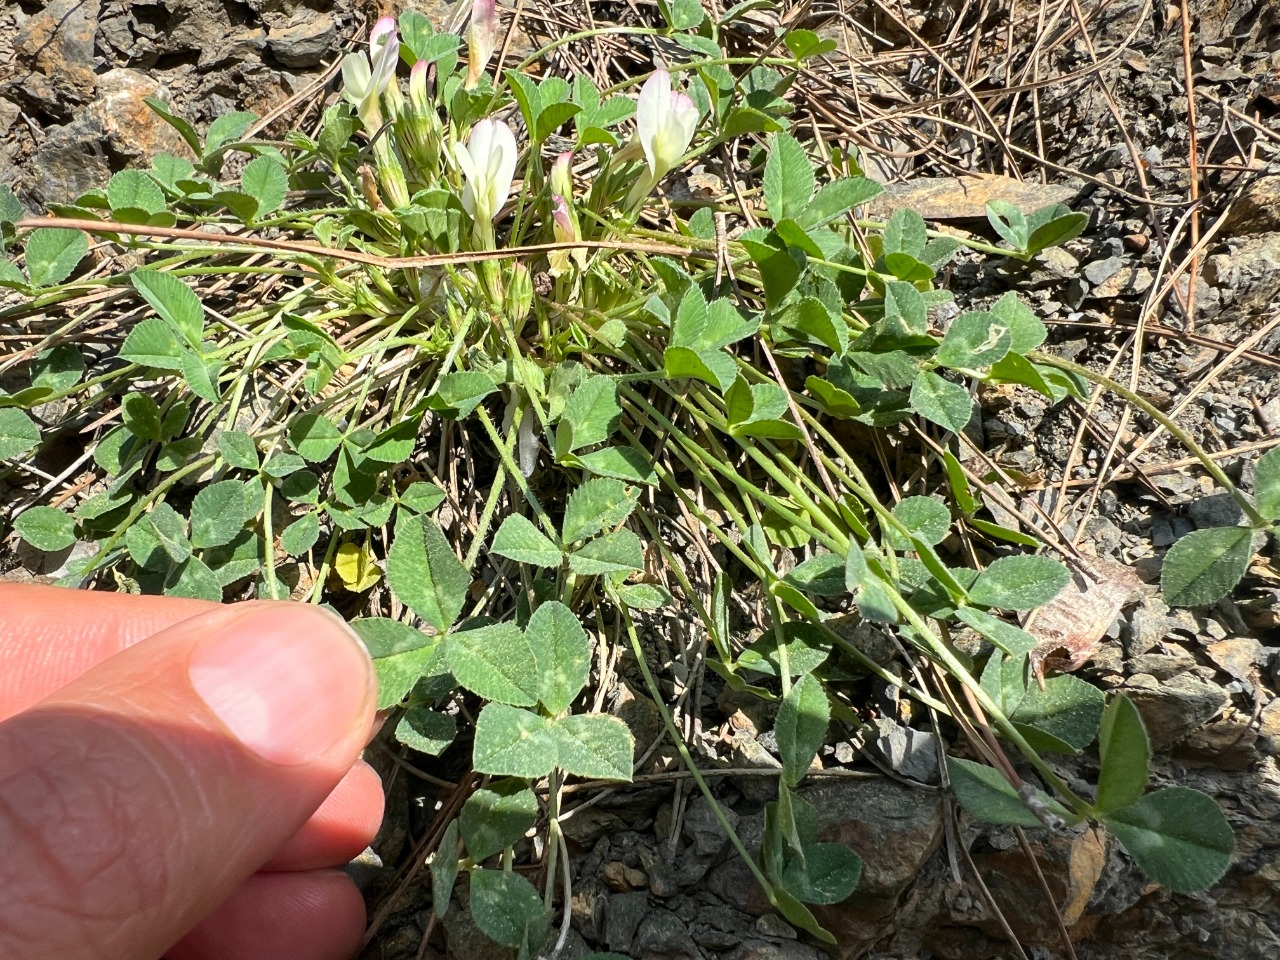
(138, 797)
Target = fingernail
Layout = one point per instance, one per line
(291, 682)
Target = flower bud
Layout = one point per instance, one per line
(418, 98)
(482, 39)
(565, 229)
(527, 445)
(519, 294)
(419, 127)
(391, 173)
(561, 179)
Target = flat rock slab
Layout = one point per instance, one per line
(965, 198)
(1257, 210)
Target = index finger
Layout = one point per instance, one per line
(51, 635)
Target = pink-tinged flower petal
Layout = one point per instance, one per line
(684, 114)
(562, 222)
(380, 29)
(418, 86)
(384, 46)
(482, 39)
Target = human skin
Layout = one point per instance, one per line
(179, 778)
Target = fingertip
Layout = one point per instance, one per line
(343, 826)
(292, 682)
(317, 915)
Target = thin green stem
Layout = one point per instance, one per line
(1256, 520)
(269, 542)
(678, 742)
(938, 650)
(504, 448)
(486, 517)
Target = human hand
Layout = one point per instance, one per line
(176, 778)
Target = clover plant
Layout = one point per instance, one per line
(287, 369)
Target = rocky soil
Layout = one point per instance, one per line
(1107, 133)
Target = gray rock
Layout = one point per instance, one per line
(1162, 533)
(587, 826)
(708, 841)
(1177, 484)
(732, 880)
(305, 40)
(1151, 623)
(1270, 416)
(240, 45)
(1215, 510)
(1126, 282)
(1074, 292)
(365, 869)
(1172, 708)
(870, 639)
(1053, 266)
(772, 925)
(1100, 271)
(662, 934)
(1249, 273)
(1258, 209)
(70, 161)
(201, 26)
(774, 950)
(714, 925)
(663, 880)
(706, 836)
(747, 751)
(641, 715)
(713, 940)
(52, 67)
(1161, 666)
(622, 915)
(588, 908)
(142, 32)
(1105, 534)
(1238, 656)
(894, 829)
(1072, 348)
(909, 752)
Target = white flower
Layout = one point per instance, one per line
(363, 84)
(488, 163)
(665, 123)
(355, 78)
